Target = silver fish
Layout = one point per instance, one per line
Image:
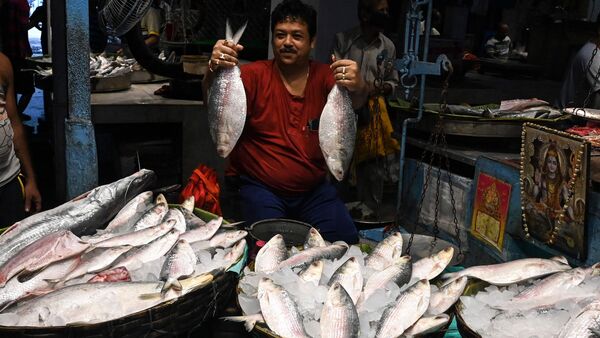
(203, 233)
(407, 309)
(312, 273)
(271, 255)
(177, 216)
(552, 285)
(306, 257)
(339, 318)
(94, 261)
(130, 213)
(50, 249)
(337, 131)
(427, 325)
(137, 238)
(399, 273)
(584, 324)
(314, 239)
(81, 216)
(512, 272)
(86, 303)
(385, 252)
(36, 285)
(227, 238)
(446, 296)
(279, 310)
(430, 267)
(349, 275)
(149, 252)
(180, 263)
(236, 253)
(152, 217)
(227, 103)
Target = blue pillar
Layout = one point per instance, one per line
(80, 147)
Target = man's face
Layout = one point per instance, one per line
(378, 16)
(291, 42)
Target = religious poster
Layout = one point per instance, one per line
(554, 181)
(490, 210)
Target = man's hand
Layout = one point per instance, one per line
(32, 196)
(348, 75)
(224, 54)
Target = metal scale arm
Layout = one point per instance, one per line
(410, 66)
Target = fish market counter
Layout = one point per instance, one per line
(167, 135)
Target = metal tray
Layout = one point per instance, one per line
(110, 84)
(586, 113)
(479, 127)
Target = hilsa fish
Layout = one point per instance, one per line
(227, 103)
(82, 215)
(337, 131)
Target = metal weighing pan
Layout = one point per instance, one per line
(293, 232)
(587, 113)
(110, 84)
(481, 127)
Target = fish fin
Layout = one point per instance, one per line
(238, 35)
(249, 321)
(560, 259)
(171, 283)
(161, 199)
(232, 225)
(188, 204)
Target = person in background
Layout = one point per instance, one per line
(373, 51)
(151, 25)
(14, 24)
(498, 46)
(581, 76)
(19, 194)
(281, 169)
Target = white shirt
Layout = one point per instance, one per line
(351, 45)
(497, 48)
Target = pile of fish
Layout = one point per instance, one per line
(335, 290)
(514, 109)
(51, 274)
(109, 66)
(565, 303)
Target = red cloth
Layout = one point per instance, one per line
(204, 186)
(277, 148)
(14, 20)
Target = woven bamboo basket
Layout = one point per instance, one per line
(180, 317)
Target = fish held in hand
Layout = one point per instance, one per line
(337, 131)
(227, 103)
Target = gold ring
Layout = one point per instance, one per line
(343, 76)
(217, 62)
(222, 57)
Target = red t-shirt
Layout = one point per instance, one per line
(277, 147)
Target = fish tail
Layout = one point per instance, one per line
(238, 35)
(249, 321)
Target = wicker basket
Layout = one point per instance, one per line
(180, 317)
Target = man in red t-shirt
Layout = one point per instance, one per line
(278, 158)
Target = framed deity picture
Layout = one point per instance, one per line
(554, 182)
(490, 210)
